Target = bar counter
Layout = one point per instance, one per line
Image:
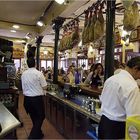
(95, 92)
(70, 115)
(70, 119)
(94, 117)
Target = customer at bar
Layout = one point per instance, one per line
(97, 76)
(33, 84)
(69, 77)
(88, 79)
(120, 98)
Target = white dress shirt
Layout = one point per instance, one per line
(138, 82)
(120, 97)
(32, 82)
(117, 71)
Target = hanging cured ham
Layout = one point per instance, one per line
(131, 17)
(91, 30)
(87, 33)
(62, 41)
(99, 26)
(75, 38)
(84, 37)
(68, 40)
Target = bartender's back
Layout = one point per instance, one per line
(32, 82)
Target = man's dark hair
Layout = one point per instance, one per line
(116, 64)
(31, 62)
(134, 62)
(31, 51)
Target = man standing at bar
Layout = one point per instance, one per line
(33, 84)
(120, 98)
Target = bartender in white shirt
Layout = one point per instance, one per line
(33, 84)
(120, 98)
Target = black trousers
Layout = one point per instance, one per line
(34, 106)
(109, 129)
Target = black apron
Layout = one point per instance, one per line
(109, 129)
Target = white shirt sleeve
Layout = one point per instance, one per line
(22, 82)
(42, 80)
(133, 102)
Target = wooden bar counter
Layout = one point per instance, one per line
(91, 91)
(86, 89)
(71, 119)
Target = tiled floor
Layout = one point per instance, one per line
(22, 133)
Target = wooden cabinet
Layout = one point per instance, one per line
(48, 107)
(53, 111)
(60, 117)
(81, 126)
(69, 122)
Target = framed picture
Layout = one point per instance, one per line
(134, 36)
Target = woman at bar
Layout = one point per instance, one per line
(69, 77)
(88, 79)
(97, 76)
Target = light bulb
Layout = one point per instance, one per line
(16, 26)
(40, 23)
(60, 1)
(13, 31)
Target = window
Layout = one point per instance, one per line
(83, 62)
(43, 63)
(62, 64)
(17, 63)
(49, 63)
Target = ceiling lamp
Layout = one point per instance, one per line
(40, 22)
(60, 1)
(16, 26)
(19, 41)
(13, 31)
(28, 36)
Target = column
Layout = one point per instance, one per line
(39, 41)
(110, 27)
(57, 24)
